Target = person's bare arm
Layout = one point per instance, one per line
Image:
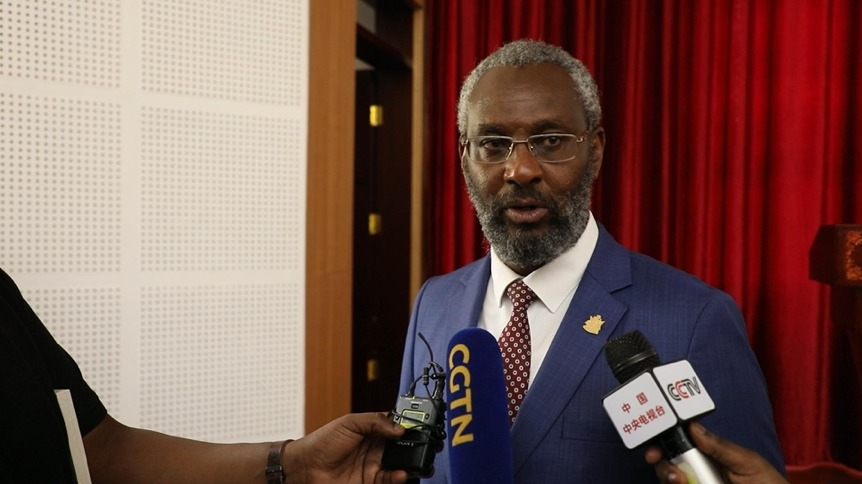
(347, 450)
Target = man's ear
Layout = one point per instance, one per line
(463, 158)
(462, 152)
(597, 146)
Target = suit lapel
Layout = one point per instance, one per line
(466, 310)
(573, 350)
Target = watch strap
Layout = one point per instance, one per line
(274, 470)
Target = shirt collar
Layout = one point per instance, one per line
(555, 280)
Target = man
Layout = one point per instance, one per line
(35, 447)
(531, 147)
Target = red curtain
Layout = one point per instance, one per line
(734, 131)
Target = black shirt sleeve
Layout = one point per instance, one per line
(32, 366)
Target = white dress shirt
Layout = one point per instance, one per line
(554, 283)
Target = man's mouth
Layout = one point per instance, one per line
(526, 212)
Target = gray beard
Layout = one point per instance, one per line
(568, 219)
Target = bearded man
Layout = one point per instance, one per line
(556, 286)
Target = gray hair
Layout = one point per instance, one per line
(525, 52)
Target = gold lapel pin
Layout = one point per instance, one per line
(594, 324)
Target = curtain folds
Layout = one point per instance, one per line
(734, 131)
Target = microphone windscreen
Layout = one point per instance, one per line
(480, 443)
(630, 354)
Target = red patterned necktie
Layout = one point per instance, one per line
(515, 346)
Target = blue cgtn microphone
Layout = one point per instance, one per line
(480, 444)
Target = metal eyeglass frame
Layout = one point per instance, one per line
(528, 141)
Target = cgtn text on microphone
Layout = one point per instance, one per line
(480, 449)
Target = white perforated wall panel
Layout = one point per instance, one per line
(87, 321)
(214, 365)
(238, 50)
(202, 210)
(152, 199)
(72, 41)
(59, 184)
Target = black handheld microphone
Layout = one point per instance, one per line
(653, 402)
(480, 446)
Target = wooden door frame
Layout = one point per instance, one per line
(329, 223)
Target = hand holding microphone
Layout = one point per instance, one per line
(476, 415)
(738, 464)
(422, 417)
(654, 400)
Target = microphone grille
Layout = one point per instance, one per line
(630, 354)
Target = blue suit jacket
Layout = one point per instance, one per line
(562, 433)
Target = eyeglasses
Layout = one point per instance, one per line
(548, 147)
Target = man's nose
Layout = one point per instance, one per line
(522, 167)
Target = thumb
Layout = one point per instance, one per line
(724, 451)
(373, 423)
